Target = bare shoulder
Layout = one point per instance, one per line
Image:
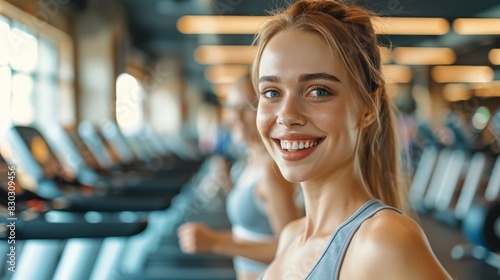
(391, 227)
(295, 227)
(394, 246)
(290, 232)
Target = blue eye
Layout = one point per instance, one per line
(319, 92)
(271, 94)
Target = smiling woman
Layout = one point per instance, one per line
(319, 91)
(326, 119)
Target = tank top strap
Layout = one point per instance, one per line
(328, 265)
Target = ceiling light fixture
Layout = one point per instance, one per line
(193, 24)
(223, 74)
(456, 92)
(462, 74)
(487, 90)
(221, 90)
(385, 54)
(410, 26)
(423, 56)
(213, 54)
(477, 26)
(397, 74)
(220, 24)
(494, 56)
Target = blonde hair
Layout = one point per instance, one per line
(348, 30)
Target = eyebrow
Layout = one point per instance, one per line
(302, 78)
(318, 76)
(272, 79)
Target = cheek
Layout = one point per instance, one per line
(326, 118)
(264, 119)
(337, 121)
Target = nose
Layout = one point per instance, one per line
(291, 113)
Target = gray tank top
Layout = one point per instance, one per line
(246, 211)
(328, 265)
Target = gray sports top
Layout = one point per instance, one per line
(328, 265)
(246, 210)
(249, 219)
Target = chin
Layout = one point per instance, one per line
(292, 174)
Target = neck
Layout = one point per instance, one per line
(331, 200)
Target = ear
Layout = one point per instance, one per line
(367, 118)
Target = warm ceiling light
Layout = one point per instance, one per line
(225, 54)
(423, 56)
(462, 74)
(456, 92)
(488, 89)
(223, 74)
(410, 26)
(385, 54)
(222, 90)
(494, 56)
(251, 24)
(476, 26)
(220, 24)
(397, 74)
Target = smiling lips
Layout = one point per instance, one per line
(297, 149)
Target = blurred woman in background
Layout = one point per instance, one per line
(260, 203)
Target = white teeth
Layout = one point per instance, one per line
(295, 145)
(285, 145)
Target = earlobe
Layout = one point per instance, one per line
(367, 119)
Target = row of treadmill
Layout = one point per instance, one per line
(91, 203)
(457, 180)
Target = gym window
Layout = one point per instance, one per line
(129, 103)
(36, 84)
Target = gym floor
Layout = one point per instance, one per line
(442, 240)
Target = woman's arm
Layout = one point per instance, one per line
(198, 238)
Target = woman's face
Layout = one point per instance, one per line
(240, 114)
(306, 113)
